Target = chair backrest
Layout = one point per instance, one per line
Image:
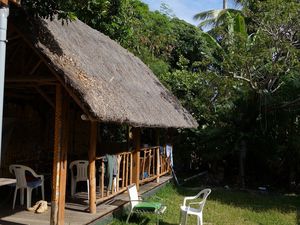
(81, 169)
(204, 194)
(133, 195)
(19, 172)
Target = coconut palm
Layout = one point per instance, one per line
(215, 17)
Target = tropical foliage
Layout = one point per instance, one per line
(240, 80)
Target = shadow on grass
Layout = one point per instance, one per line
(141, 219)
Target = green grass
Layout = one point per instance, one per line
(226, 207)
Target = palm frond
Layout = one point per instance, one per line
(207, 23)
(240, 25)
(207, 14)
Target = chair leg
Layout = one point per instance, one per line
(29, 191)
(15, 196)
(182, 217)
(185, 218)
(88, 188)
(200, 220)
(127, 220)
(43, 191)
(22, 196)
(73, 187)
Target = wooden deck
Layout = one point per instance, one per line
(76, 213)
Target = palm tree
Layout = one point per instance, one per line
(215, 17)
(224, 4)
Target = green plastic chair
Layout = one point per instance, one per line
(139, 206)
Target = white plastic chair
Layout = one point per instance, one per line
(141, 207)
(186, 209)
(19, 171)
(81, 174)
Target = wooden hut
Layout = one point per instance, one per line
(62, 80)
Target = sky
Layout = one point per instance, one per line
(186, 9)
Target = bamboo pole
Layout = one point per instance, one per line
(126, 174)
(158, 161)
(157, 164)
(136, 156)
(56, 217)
(63, 158)
(102, 178)
(130, 174)
(92, 167)
(123, 170)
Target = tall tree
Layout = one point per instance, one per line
(215, 17)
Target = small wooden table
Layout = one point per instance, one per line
(7, 181)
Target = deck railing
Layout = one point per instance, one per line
(122, 179)
(164, 162)
(153, 164)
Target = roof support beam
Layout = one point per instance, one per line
(136, 156)
(59, 159)
(157, 143)
(92, 167)
(5, 2)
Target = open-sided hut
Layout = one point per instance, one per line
(64, 79)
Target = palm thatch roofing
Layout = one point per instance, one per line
(113, 84)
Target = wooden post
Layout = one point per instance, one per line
(59, 172)
(157, 155)
(63, 158)
(170, 138)
(136, 156)
(130, 169)
(123, 170)
(128, 137)
(92, 167)
(4, 2)
(102, 178)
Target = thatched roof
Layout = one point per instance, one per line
(113, 84)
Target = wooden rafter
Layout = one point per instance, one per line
(15, 46)
(31, 79)
(45, 96)
(58, 77)
(36, 67)
(13, 38)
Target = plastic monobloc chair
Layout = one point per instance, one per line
(20, 173)
(197, 210)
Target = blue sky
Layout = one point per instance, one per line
(186, 9)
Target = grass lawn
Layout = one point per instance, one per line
(227, 207)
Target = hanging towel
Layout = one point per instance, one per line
(112, 169)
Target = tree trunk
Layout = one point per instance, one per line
(224, 4)
(243, 151)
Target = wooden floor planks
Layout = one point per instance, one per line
(75, 214)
